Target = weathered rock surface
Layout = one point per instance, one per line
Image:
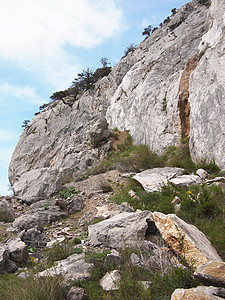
(76, 294)
(185, 180)
(185, 239)
(17, 250)
(201, 293)
(211, 273)
(72, 268)
(153, 179)
(111, 281)
(113, 258)
(207, 89)
(147, 92)
(151, 101)
(3, 255)
(6, 210)
(120, 230)
(202, 173)
(38, 218)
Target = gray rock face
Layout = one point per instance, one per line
(211, 273)
(37, 219)
(17, 250)
(170, 86)
(185, 180)
(76, 294)
(121, 230)
(200, 292)
(111, 281)
(151, 100)
(153, 179)
(207, 90)
(72, 268)
(3, 255)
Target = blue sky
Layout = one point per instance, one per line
(45, 43)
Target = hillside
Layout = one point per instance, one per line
(119, 186)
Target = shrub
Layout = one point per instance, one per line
(130, 48)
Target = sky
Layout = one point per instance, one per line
(44, 44)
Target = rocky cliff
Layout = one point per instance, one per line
(170, 86)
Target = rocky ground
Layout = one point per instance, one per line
(83, 219)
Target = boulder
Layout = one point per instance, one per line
(72, 268)
(38, 218)
(10, 266)
(185, 180)
(152, 180)
(17, 250)
(113, 258)
(120, 230)
(111, 281)
(201, 292)
(6, 210)
(135, 260)
(77, 203)
(76, 293)
(37, 184)
(71, 205)
(202, 173)
(211, 273)
(185, 239)
(3, 255)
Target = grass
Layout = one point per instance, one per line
(127, 157)
(161, 287)
(130, 286)
(60, 251)
(92, 286)
(201, 205)
(46, 288)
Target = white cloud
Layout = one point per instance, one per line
(35, 33)
(25, 93)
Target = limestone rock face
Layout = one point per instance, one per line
(201, 292)
(17, 250)
(120, 230)
(111, 281)
(153, 179)
(207, 90)
(151, 101)
(170, 86)
(211, 273)
(185, 239)
(72, 268)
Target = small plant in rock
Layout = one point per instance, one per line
(46, 206)
(67, 193)
(77, 241)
